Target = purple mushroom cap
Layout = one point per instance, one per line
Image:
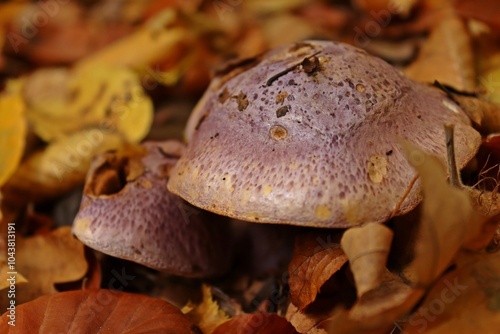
(307, 134)
(127, 212)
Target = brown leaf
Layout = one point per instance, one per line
(257, 323)
(465, 300)
(446, 56)
(47, 259)
(97, 311)
(367, 248)
(448, 219)
(487, 11)
(376, 310)
(317, 256)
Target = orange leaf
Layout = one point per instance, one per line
(97, 311)
(446, 56)
(465, 300)
(316, 258)
(47, 259)
(487, 11)
(258, 323)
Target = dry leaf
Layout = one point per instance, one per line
(257, 323)
(487, 11)
(59, 168)
(12, 132)
(367, 248)
(97, 311)
(446, 55)
(207, 315)
(317, 256)
(59, 258)
(465, 300)
(484, 114)
(377, 310)
(306, 322)
(61, 102)
(150, 43)
(448, 219)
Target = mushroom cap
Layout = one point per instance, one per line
(127, 212)
(307, 134)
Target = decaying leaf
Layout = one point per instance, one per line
(59, 258)
(61, 102)
(367, 248)
(12, 132)
(448, 218)
(207, 315)
(465, 300)
(60, 167)
(97, 311)
(446, 55)
(317, 256)
(257, 323)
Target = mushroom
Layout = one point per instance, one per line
(307, 134)
(127, 212)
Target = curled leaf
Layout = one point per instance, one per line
(61, 102)
(316, 258)
(367, 248)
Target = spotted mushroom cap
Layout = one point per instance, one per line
(307, 134)
(127, 212)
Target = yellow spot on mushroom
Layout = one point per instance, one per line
(377, 168)
(360, 88)
(280, 98)
(267, 190)
(323, 212)
(146, 184)
(277, 132)
(81, 227)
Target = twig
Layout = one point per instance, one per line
(452, 163)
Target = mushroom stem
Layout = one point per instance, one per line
(455, 180)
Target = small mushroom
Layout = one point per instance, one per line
(127, 212)
(317, 141)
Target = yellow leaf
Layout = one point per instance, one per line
(12, 132)
(62, 102)
(207, 315)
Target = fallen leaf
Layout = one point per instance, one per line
(257, 323)
(485, 114)
(207, 315)
(377, 310)
(150, 43)
(367, 248)
(12, 132)
(317, 256)
(60, 167)
(465, 300)
(59, 258)
(487, 11)
(61, 102)
(446, 56)
(97, 311)
(447, 222)
(305, 322)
